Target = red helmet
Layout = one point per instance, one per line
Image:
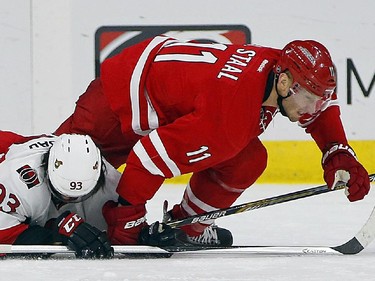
(311, 66)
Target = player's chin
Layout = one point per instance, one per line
(293, 117)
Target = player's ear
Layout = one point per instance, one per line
(284, 83)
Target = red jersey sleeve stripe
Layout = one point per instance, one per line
(160, 148)
(135, 85)
(146, 160)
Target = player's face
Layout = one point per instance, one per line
(60, 196)
(299, 102)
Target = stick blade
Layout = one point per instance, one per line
(352, 247)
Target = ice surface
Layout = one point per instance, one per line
(323, 220)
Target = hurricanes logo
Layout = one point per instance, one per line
(29, 176)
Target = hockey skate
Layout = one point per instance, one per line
(212, 235)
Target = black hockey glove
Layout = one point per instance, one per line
(160, 235)
(86, 240)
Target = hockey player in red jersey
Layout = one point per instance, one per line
(49, 187)
(168, 108)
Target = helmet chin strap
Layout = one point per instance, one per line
(280, 104)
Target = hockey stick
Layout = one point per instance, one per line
(150, 251)
(355, 245)
(258, 204)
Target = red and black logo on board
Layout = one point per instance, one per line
(29, 176)
(111, 40)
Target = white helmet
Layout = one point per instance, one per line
(74, 167)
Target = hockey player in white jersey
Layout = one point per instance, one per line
(52, 190)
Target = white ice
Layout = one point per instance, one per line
(323, 220)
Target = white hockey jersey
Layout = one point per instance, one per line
(24, 193)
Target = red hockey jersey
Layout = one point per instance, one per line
(184, 107)
(204, 100)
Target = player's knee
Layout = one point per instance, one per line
(258, 162)
(253, 168)
(244, 169)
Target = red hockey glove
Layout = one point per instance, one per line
(340, 164)
(124, 222)
(86, 240)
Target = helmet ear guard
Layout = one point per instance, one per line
(74, 167)
(311, 66)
